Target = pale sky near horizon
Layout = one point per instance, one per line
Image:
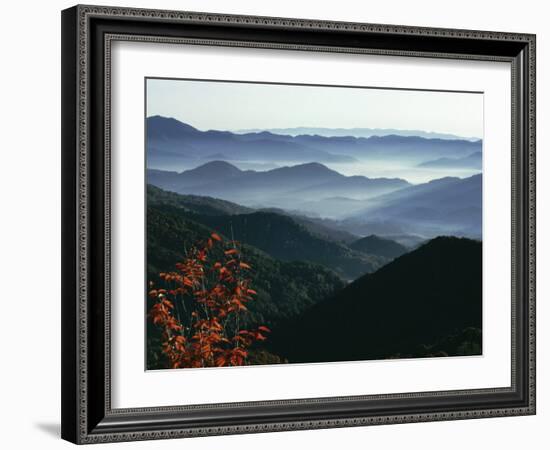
(233, 106)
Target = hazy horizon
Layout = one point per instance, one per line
(238, 106)
(306, 127)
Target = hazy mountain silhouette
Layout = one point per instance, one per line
(473, 161)
(392, 147)
(356, 132)
(166, 128)
(203, 205)
(211, 172)
(281, 236)
(353, 187)
(288, 186)
(167, 136)
(169, 140)
(445, 206)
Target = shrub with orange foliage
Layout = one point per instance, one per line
(198, 310)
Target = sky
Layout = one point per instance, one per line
(214, 105)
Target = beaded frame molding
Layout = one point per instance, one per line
(87, 35)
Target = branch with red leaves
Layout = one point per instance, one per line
(215, 282)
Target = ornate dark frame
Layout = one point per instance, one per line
(87, 33)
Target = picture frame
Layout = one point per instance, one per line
(88, 33)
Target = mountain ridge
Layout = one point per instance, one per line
(309, 180)
(376, 245)
(444, 275)
(354, 132)
(171, 140)
(278, 298)
(445, 206)
(472, 161)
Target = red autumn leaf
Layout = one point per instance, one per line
(221, 361)
(173, 324)
(201, 256)
(167, 303)
(240, 351)
(157, 320)
(241, 307)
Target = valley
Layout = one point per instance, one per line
(357, 247)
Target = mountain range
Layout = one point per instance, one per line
(344, 267)
(292, 264)
(171, 143)
(449, 206)
(382, 206)
(356, 132)
(284, 289)
(281, 236)
(424, 303)
(281, 187)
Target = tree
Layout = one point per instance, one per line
(198, 309)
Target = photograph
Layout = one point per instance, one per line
(272, 222)
(298, 223)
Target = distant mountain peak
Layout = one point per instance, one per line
(167, 127)
(213, 167)
(443, 180)
(170, 120)
(313, 165)
(377, 245)
(310, 167)
(218, 163)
